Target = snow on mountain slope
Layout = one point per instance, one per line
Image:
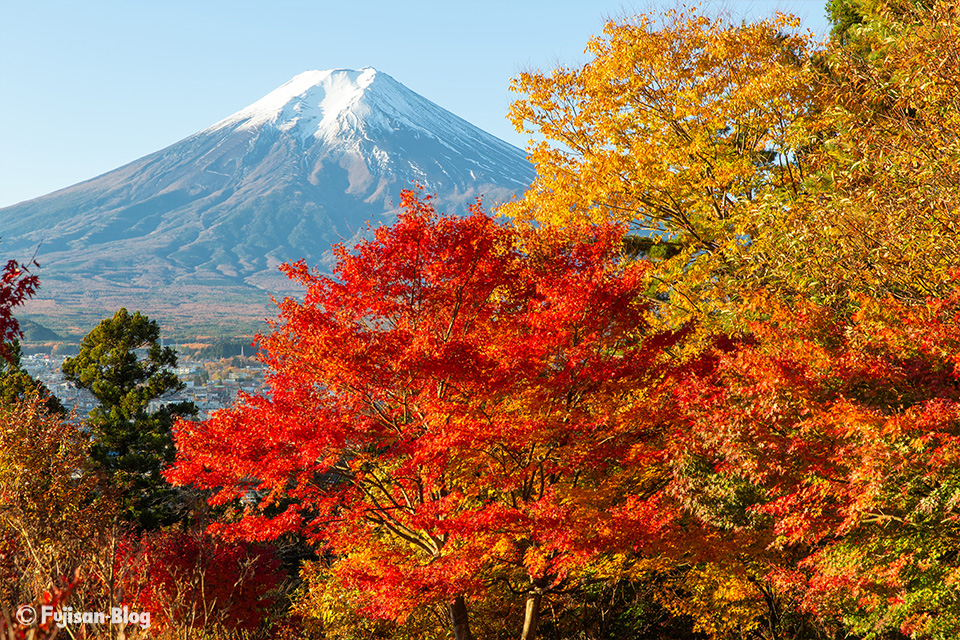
(308, 165)
(349, 110)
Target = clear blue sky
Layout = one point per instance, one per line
(86, 86)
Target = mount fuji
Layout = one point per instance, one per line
(195, 232)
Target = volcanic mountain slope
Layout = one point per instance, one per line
(202, 225)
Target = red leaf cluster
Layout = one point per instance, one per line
(195, 581)
(17, 284)
(457, 400)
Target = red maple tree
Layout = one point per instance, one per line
(17, 284)
(455, 404)
(832, 442)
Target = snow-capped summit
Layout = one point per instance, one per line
(348, 110)
(310, 103)
(307, 165)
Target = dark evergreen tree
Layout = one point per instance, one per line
(123, 365)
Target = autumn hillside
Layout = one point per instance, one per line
(702, 382)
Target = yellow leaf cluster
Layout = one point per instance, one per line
(881, 211)
(52, 512)
(673, 127)
(723, 601)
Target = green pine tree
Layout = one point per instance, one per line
(123, 365)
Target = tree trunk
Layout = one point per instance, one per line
(531, 616)
(459, 619)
